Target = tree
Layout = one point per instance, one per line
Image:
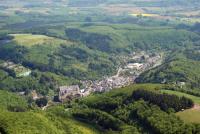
(41, 102)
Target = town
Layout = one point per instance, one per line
(135, 64)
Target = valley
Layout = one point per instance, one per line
(126, 74)
(128, 71)
(99, 67)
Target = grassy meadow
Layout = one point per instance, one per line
(190, 115)
(29, 40)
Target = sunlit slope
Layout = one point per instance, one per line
(35, 121)
(71, 58)
(31, 40)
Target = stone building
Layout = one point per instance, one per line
(69, 92)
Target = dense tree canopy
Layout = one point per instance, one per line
(165, 101)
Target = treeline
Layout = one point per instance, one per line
(104, 103)
(154, 120)
(104, 121)
(135, 117)
(98, 117)
(164, 101)
(140, 109)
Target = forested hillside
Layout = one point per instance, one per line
(82, 52)
(118, 111)
(82, 67)
(178, 67)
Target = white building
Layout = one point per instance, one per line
(136, 66)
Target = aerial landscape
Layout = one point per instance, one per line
(99, 67)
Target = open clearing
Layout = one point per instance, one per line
(190, 115)
(31, 40)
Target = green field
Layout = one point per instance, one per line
(29, 40)
(191, 115)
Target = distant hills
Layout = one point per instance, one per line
(160, 3)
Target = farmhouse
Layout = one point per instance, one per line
(69, 92)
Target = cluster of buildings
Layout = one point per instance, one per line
(17, 69)
(74, 91)
(142, 62)
(109, 83)
(70, 92)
